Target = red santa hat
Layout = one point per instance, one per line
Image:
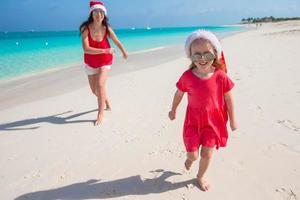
(207, 35)
(97, 5)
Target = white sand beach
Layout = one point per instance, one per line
(49, 148)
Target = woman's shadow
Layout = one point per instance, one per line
(53, 119)
(95, 189)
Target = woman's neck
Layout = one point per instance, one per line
(97, 25)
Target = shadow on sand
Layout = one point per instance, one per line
(95, 189)
(52, 119)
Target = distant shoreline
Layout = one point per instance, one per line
(40, 52)
(52, 80)
(271, 19)
(115, 29)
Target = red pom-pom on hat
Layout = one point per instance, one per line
(97, 5)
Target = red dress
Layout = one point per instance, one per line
(206, 113)
(98, 60)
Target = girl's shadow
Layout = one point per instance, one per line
(53, 119)
(95, 189)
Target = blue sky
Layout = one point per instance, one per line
(43, 15)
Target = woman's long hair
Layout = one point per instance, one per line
(90, 20)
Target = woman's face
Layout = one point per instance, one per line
(98, 15)
(202, 54)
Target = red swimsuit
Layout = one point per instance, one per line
(98, 60)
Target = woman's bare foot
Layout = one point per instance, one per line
(108, 107)
(99, 119)
(188, 164)
(204, 186)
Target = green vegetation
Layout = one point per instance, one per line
(268, 19)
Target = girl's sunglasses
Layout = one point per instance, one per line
(207, 56)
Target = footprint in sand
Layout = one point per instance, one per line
(190, 186)
(273, 146)
(63, 176)
(288, 124)
(132, 140)
(278, 146)
(152, 153)
(183, 197)
(286, 194)
(259, 108)
(162, 130)
(32, 175)
(181, 154)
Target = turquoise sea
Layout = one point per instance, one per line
(24, 53)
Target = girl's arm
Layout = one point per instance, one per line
(117, 42)
(91, 50)
(176, 101)
(230, 109)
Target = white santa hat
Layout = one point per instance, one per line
(97, 5)
(207, 35)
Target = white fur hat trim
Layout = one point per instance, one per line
(207, 35)
(97, 5)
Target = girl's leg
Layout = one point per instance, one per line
(190, 158)
(206, 155)
(101, 93)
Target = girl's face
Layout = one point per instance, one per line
(202, 55)
(98, 15)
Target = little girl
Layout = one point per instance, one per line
(98, 53)
(209, 101)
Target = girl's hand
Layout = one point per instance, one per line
(233, 125)
(172, 115)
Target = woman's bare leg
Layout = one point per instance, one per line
(93, 85)
(92, 82)
(107, 103)
(101, 97)
(97, 85)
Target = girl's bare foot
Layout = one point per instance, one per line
(99, 119)
(188, 164)
(204, 186)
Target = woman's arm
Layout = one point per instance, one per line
(91, 50)
(117, 42)
(176, 101)
(230, 109)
